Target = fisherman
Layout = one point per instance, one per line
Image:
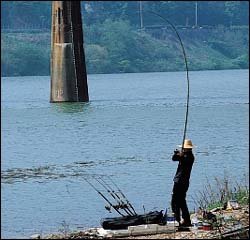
(181, 182)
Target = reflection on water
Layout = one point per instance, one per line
(69, 107)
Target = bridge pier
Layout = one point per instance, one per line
(68, 69)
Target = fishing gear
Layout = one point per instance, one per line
(115, 207)
(121, 204)
(128, 205)
(122, 194)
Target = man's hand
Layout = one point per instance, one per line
(177, 155)
(181, 154)
(176, 151)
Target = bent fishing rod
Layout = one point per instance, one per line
(186, 65)
(185, 124)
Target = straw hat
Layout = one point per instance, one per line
(187, 144)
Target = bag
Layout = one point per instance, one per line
(123, 222)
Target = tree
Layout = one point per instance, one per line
(237, 12)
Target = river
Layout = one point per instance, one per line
(128, 131)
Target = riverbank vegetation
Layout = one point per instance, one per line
(116, 42)
(217, 193)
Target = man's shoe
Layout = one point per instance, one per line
(185, 224)
(183, 229)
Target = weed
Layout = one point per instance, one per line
(64, 229)
(223, 190)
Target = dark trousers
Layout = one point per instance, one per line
(178, 202)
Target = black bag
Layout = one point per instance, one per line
(123, 222)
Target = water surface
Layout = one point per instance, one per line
(128, 130)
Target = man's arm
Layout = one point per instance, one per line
(177, 155)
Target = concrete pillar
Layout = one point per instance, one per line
(68, 69)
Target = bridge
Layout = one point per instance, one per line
(68, 68)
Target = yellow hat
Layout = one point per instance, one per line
(187, 144)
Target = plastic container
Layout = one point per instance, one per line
(200, 225)
(170, 216)
(194, 221)
(207, 227)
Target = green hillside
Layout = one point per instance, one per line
(114, 42)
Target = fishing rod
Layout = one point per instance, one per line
(122, 195)
(129, 205)
(121, 204)
(113, 206)
(186, 65)
(185, 59)
(125, 199)
(185, 124)
(122, 199)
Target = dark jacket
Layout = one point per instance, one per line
(186, 161)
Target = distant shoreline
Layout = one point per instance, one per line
(154, 50)
(134, 72)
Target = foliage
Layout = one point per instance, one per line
(114, 44)
(25, 56)
(242, 61)
(222, 191)
(36, 14)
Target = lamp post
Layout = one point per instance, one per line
(196, 14)
(141, 17)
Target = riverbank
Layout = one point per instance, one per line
(219, 217)
(151, 50)
(231, 223)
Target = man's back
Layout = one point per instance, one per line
(186, 160)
